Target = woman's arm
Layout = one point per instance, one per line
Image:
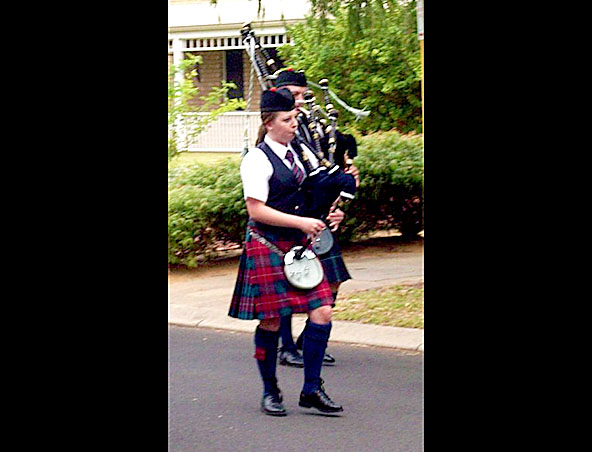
(262, 213)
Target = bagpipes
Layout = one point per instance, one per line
(327, 186)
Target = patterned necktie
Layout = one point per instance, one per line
(298, 173)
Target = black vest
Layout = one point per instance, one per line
(285, 194)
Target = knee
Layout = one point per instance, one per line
(270, 324)
(321, 315)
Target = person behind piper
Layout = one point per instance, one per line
(272, 174)
(333, 264)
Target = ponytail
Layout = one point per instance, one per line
(266, 116)
(260, 135)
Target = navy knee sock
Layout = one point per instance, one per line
(286, 333)
(266, 343)
(313, 351)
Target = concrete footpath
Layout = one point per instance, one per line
(201, 297)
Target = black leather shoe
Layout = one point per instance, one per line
(319, 400)
(293, 359)
(328, 359)
(271, 404)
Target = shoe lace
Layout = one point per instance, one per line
(277, 393)
(323, 393)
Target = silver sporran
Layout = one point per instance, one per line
(305, 272)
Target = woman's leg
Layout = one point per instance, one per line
(286, 333)
(266, 343)
(316, 335)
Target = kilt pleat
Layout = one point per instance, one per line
(262, 290)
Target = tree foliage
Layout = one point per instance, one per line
(184, 124)
(369, 52)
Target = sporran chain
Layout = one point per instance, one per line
(267, 243)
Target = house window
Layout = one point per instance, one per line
(234, 72)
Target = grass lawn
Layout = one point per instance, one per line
(398, 305)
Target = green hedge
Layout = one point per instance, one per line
(207, 210)
(391, 188)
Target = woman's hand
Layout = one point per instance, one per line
(335, 218)
(354, 171)
(311, 226)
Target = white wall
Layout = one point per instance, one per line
(184, 14)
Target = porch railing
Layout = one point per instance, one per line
(227, 133)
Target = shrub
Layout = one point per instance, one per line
(206, 210)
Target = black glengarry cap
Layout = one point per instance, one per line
(275, 99)
(290, 77)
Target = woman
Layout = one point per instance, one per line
(272, 175)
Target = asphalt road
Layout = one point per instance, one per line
(215, 391)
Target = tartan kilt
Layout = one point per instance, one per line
(333, 264)
(262, 290)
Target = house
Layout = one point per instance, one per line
(213, 32)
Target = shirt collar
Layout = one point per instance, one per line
(278, 148)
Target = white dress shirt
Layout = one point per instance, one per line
(256, 169)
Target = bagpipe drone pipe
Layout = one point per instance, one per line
(264, 64)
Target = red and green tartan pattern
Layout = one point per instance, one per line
(262, 291)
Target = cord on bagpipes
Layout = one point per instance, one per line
(249, 100)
